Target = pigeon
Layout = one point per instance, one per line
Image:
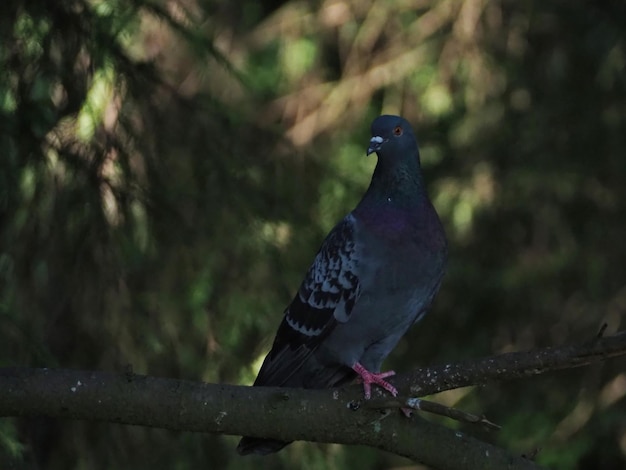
(374, 276)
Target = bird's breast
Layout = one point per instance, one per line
(403, 249)
(416, 226)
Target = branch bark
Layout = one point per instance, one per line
(516, 365)
(292, 414)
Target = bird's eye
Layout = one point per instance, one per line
(397, 131)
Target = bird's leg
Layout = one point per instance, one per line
(369, 378)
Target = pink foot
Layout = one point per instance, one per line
(369, 378)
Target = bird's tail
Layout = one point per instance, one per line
(254, 445)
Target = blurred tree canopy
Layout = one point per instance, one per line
(168, 169)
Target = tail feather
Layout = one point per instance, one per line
(254, 445)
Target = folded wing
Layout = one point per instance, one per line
(325, 298)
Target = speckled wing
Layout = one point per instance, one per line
(326, 297)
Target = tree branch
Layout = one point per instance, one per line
(420, 404)
(516, 365)
(292, 414)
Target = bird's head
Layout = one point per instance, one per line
(392, 136)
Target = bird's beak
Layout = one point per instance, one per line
(376, 143)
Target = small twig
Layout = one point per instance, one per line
(602, 330)
(430, 407)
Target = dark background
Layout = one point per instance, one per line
(168, 170)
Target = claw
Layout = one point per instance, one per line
(369, 378)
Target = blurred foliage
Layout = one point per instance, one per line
(168, 169)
